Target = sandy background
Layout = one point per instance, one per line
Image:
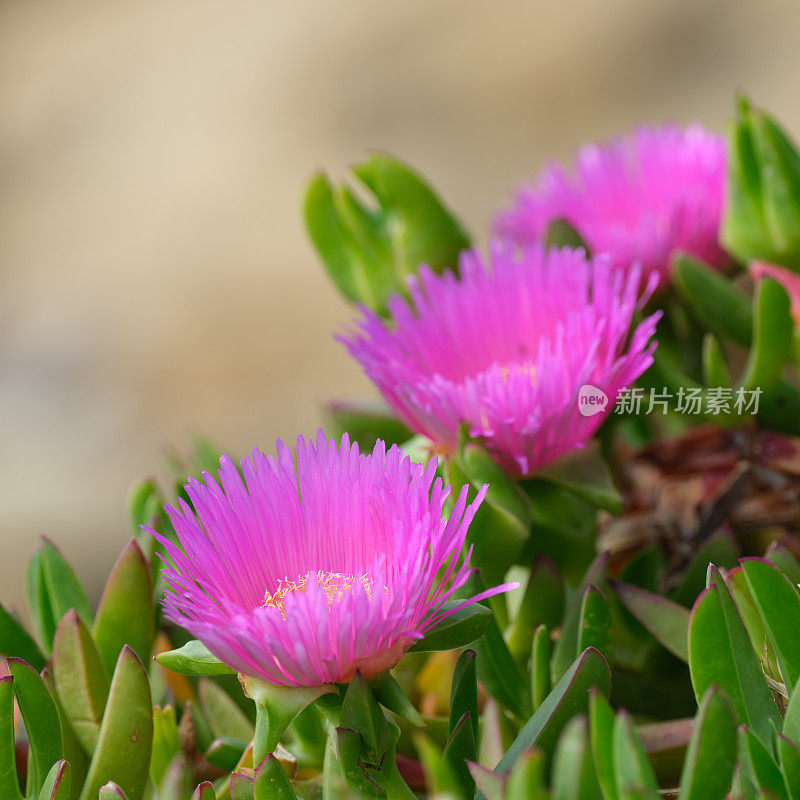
(154, 274)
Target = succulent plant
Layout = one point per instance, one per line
(651, 650)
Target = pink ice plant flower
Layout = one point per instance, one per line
(506, 347)
(300, 574)
(638, 198)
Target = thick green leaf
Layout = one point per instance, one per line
(39, 601)
(634, 774)
(336, 247)
(16, 641)
(540, 666)
(789, 758)
(74, 753)
(205, 791)
(601, 726)
(772, 336)
(574, 776)
(126, 734)
(779, 408)
(144, 504)
(715, 369)
(715, 301)
(63, 587)
(42, 723)
(459, 749)
(757, 761)
(241, 786)
(743, 787)
(782, 558)
(440, 780)
(80, 678)
(111, 792)
(527, 780)
(270, 782)
(459, 629)
(667, 621)
(595, 623)
(713, 742)
(753, 623)
(424, 229)
(778, 602)
(391, 695)
(369, 252)
(222, 712)
(542, 604)
(585, 472)
(489, 783)
(125, 614)
(194, 658)
(720, 653)
(225, 752)
(495, 733)
(58, 782)
(501, 525)
(568, 698)
(464, 694)
(499, 672)
(362, 712)
(166, 742)
(9, 785)
(780, 175)
(791, 719)
(567, 644)
(743, 231)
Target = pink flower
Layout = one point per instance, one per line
(506, 348)
(785, 277)
(638, 199)
(300, 575)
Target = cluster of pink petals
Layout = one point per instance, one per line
(378, 518)
(639, 199)
(506, 347)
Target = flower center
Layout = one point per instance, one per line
(526, 369)
(334, 584)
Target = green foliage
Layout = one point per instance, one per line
(369, 251)
(720, 653)
(194, 658)
(762, 219)
(713, 743)
(459, 629)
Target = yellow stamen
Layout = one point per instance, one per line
(334, 584)
(526, 370)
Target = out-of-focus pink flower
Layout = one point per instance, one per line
(639, 198)
(298, 575)
(785, 277)
(506, 348)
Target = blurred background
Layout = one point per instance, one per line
(155, 279)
